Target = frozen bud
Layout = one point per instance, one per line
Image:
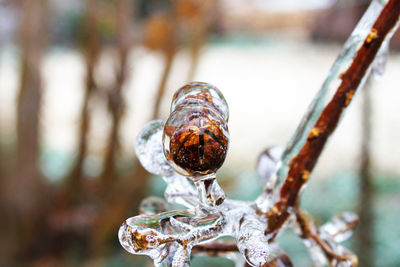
(196, 134)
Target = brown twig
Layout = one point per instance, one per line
(215, 248)
(26, 189)
(303, 163)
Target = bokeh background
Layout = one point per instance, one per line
(79, 79)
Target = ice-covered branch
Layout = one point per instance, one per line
(347, 75)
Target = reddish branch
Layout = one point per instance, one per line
(303, 163)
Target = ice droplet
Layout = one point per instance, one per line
(149, 149)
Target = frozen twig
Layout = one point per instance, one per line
(310, 231)
(302, 164)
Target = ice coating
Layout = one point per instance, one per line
(340, 227)
(153, 235)
(267, 167)
(168, 236)
(268, 164)
(153, 205)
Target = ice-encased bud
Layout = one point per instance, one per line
(149, 149)
(196, 133)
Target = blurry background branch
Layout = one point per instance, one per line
(25, 188)
(90, 39)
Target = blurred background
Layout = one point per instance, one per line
(79, 79)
